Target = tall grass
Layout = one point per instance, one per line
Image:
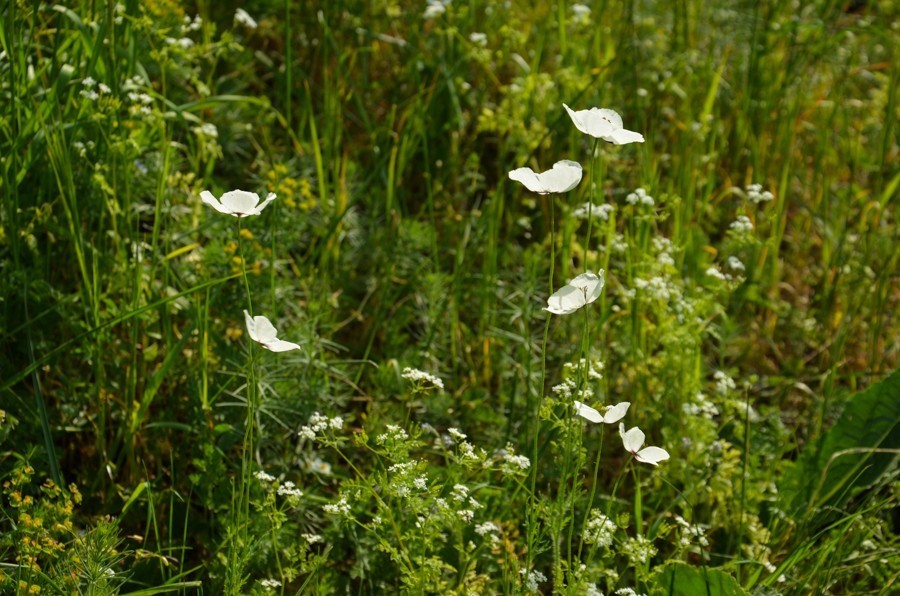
(138, 423)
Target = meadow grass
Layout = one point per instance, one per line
(424, 437)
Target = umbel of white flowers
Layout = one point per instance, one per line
(263, 332)
(582, 290)
(562, 177)
(634, 440)
(238, 203)
(613, 413)
(605, 124)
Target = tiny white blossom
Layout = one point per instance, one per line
(742, 224)
(242, 18)
(479, 39)
(263, 477)
(715, 273)
(735, 264)
(422, 379)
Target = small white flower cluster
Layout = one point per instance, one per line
(270, 584)
(756, 194)
(512, 463)
(312, 538)
(599, 529)
(435, 8)
(241, 17)
(207, 129)
(422, 379)
(403, 480)
(394, 434)
(656, 287)
(701, 405)
(192, 25)
(601, 212)
(581, 13)
(724, 383)
(639, 196)
(290, 490)
(318, 424)
(627, 592)
(532, 580)
(716, 274)
(564, 389)
(575, 368)
(263, 477)
(83, 148)
(140, 101)
(489, 529)
(456, 434)
(477, 38)
(691, 533)
(618, 244)
(639, 550)
(735, 264)
(88, 92)
(185, 43)
(342, 507)
(742, 225)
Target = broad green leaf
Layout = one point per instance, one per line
(680, 579)
(851, 456)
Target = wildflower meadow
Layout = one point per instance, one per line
(449, 297)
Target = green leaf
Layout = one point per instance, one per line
(854, 455)
(680, 579)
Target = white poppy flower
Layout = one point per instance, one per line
(613, 413)
(238, 203)
(582, 290)
(563, 177)
(634, 440)
(603, 124)
(263, 332)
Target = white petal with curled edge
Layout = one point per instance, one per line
(269, 199)
(633, 439)
(615, 413)
(603, 123)
(279, 345)
(265, 331)
(651, 455)
(529, 178)
(562, 177)
(590, 284)
(623, 137)
(240, 202)
(566, 300)
(251, 326)
(208, 198)
(587, 412)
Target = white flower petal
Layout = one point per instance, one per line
(623, 137)
(603, 124)
(590, 284)
(269, 199)
(240, 202)
(251, 326)
(633, 439)
(562, 177)
(651, 455)
(279, 345)
(566, 300)
(528, 177)
(587, 412)
(615, 413)
(265, 330)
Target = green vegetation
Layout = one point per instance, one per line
(424, 438)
